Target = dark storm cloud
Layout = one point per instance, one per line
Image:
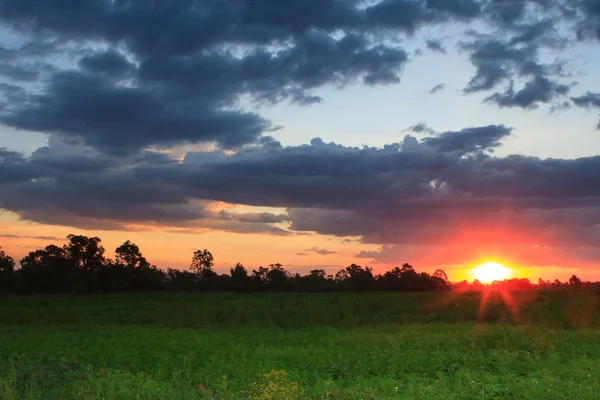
(173, 72)
(109, 63)
(117, 78)
(121, 118)
(415, 192)
(18, 73)
(188, 73)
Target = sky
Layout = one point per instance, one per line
(313, 133)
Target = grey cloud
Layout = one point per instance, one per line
(437, 88)
(538, 90)
(421, 127)
(111, 63)
(323, 252)
(436, 45)
(422, 193)
(120, 118)
(15, 236)
(267, 218)
(589, 99)
(470, 139)
(18, 73)
(174, 72)
(500, 62)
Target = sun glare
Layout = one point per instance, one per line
(491, 271)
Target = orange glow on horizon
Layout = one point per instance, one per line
(490, 271)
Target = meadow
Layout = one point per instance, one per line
(299, 346)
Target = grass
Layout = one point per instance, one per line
(333, 346)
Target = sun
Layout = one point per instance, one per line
(489, 272)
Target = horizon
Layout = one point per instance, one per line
(315, 134)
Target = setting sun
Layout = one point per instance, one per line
(491, 271)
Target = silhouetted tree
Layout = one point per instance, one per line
(359, 278)
(182, 280)
(86, 253)
(277, 278)
(316, 281)
(240, 280)
(575, 282)
(259, 278)
(50, 271)
(202, 265)
(7, 272)
(129, 254)
(80, 266)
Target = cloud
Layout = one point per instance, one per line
(588, 100)
(538, 90)
(470, 139)
(15, 236)
(442, 189)
(126, 76)
(110, 63)
(436, 45)
(421, 127)
(117, 85)
(323, 252)
(437, 88)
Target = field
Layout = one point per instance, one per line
(291, 346)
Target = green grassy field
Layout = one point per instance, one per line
(331, 346)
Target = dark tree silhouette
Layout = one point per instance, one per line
(277, 278)
(7, 272)
(130, 255)
(50, 271)
(259, 278)
(202, 266)
(240, 280)
(575, 282)
(81, 266)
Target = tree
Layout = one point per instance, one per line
(575, 282)
(316, 281)
(277, 278)
(139, 272)
(85, 252)
(130, 255)
(240, 280)
(202, 260)
(360, 278)
(50, 271)
(202, 265)
(7, 272)
(259, 278)
(441, 281)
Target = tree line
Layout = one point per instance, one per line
(80, 266)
